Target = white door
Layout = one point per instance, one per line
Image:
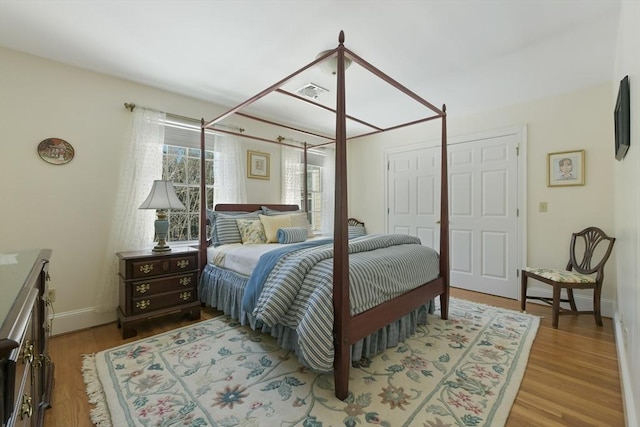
(414, 192)
(483, 222)
(483, 208)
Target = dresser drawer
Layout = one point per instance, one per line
(145, 288)
(136, 269)
(19, 386)
(151, 303)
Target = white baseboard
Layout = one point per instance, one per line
(583, 302)
(628, 400)
(76, 320)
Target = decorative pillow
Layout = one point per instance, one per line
(292, 234)
(271, 212)
(225, 228)
(251, 231)
(298, 218)
(211, 219)
(356, 231)
(271, 225)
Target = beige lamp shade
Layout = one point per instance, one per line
(162, 196)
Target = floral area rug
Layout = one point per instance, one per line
(464, 371)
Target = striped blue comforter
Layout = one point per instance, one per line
(298, 291)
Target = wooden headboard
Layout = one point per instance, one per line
(227, 207)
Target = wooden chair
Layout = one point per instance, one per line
(586, 272)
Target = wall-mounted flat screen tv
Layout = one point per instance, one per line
(622, 116)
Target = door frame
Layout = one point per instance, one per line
(521, 134)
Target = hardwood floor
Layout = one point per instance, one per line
(571, 378)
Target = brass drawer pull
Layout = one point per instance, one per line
(185, 281)
(185, 295)
(26, 409)
(38, 361)
(143, 288)
(183, 263)
(147, 268)
(143, 304)
(27, 353)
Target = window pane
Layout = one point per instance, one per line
(182, 166)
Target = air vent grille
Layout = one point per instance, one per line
(311, 90)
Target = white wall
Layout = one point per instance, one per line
(627, 216)
(68, 208)
(572, 121)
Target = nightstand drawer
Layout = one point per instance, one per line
(156, 302)
(157, 286)
(159, 266)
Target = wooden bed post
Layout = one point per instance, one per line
(304, 182)
(203, 202)
(444, 220)
(341, 306)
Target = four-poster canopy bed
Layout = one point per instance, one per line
(348, 328)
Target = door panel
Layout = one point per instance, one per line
(414, 185)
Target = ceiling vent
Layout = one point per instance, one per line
(311, 90)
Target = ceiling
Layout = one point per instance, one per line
(471, 55)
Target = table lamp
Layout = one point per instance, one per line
(162, 197)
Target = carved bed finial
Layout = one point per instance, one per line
(341, 37)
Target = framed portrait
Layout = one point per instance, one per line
(565, 168)
(257, 165)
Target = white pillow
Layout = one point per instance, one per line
(271, 225)
(300, 220)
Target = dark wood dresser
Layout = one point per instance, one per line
(26, 374)
(157, 283)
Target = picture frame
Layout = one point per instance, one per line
(56, 151)
(565, 168)
(258, 165)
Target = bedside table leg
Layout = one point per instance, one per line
(128, 332)
(194, 314)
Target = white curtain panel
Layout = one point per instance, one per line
(328, 190)
(132, 228)
(291, 175)
(228, 171)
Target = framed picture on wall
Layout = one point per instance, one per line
(565, 168)
(257, 165)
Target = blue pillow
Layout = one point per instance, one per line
(291, 234)
(225, 227)
(356, 231)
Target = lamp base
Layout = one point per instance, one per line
(162, 228)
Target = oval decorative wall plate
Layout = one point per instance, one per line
(55, 151)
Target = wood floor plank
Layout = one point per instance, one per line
(571, 377)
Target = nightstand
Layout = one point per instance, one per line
(157, 283)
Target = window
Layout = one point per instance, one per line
(181, 165)
(314, 196)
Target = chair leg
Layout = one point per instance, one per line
(556, 305)
(572, 301)
(596, 305)
(523, 291)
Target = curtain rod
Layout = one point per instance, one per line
(131, 106)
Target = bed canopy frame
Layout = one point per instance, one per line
(347, 329)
